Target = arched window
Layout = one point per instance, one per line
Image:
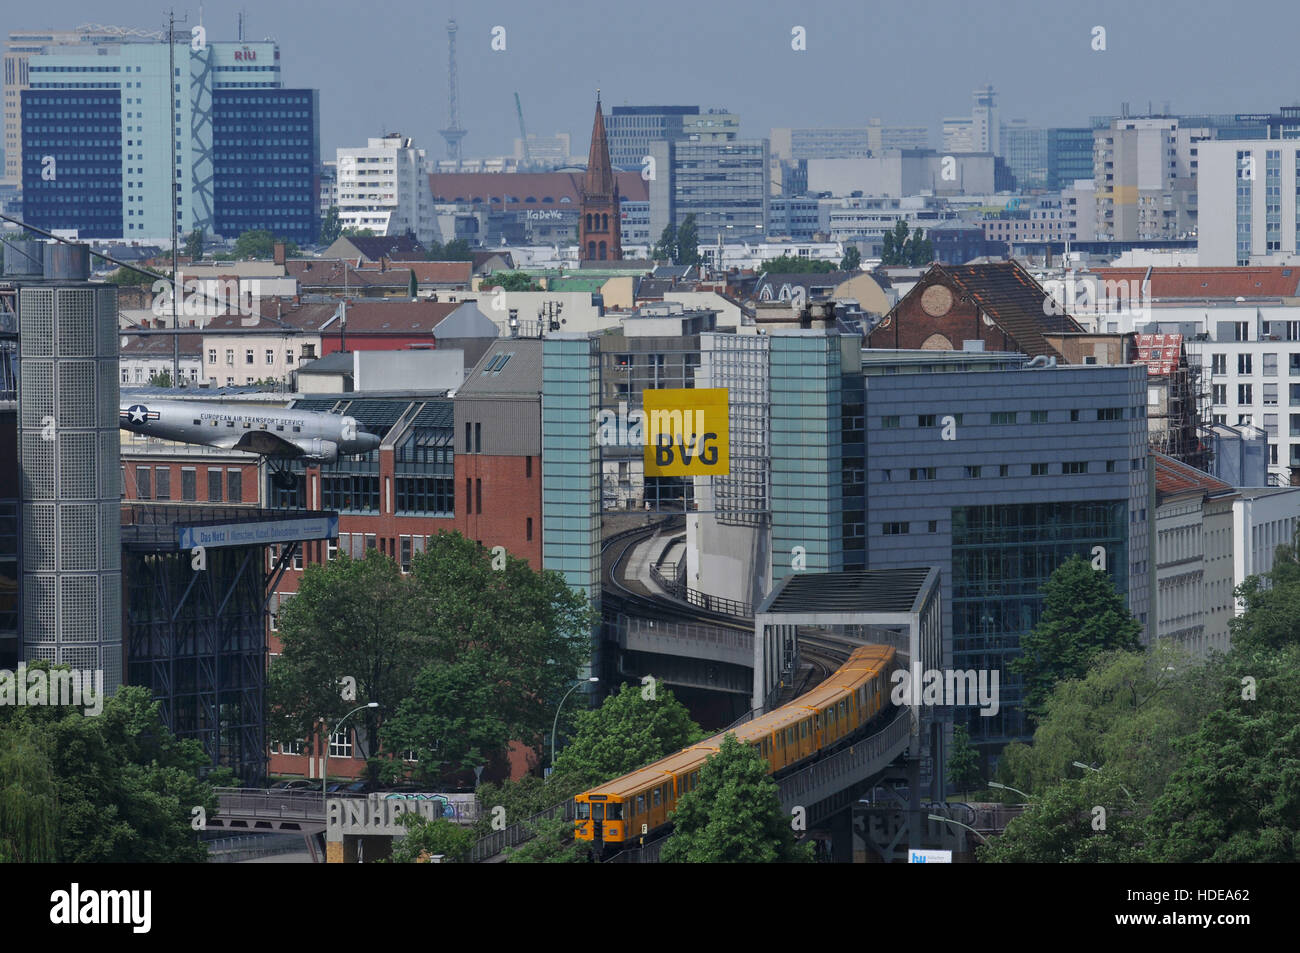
(602, 251)
(591, 250)
(604, 224)
(588, 221)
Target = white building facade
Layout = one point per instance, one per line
(385, 188)
(1247, 192)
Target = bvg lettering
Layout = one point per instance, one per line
(700, 449)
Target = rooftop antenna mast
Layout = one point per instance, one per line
(453, 133)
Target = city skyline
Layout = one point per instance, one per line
(556, 61)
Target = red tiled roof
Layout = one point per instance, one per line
(1175, 477)
(1274, 282)
(365, 315)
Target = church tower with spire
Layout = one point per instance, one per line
(600, 226)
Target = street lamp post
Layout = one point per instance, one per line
(555, 724)
(325, 762)
(940, 817)
(1007, 787)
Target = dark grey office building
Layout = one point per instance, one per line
(996, 473)
(631, 129)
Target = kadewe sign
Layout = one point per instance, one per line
(687, 432)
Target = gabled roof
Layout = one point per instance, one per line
(466, 321)
(1175, 478)
(374, 247)
(1011, 298)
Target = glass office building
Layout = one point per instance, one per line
(98, 131)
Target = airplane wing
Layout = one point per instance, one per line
(266, 443)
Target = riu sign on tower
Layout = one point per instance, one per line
(687, 432)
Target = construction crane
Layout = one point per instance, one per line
(523, 136)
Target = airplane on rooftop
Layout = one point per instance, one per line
(278, 434)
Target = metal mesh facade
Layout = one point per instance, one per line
(69, 475)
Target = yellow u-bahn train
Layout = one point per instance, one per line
(640, 803)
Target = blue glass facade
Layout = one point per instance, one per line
(265, 156)
(1001, 556)
(79, 185)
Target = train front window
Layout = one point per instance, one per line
(598, 811)
(615, 812)
(584, 810)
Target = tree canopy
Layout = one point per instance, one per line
(852, 259)
(330, 226)
(461, 657)
(900, 248)
(1083, 614)
(260, 243)
(112, 788)
(788, 265)
(509, 281)
(1191, 761)
(733, 815)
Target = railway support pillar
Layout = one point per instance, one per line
(841, 831)
(915, 827)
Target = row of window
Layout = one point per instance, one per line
(1004, 469)
(154, 483)
(1008, 418)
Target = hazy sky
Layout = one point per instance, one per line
(381, 65)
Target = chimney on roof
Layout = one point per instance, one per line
(279, 253)
(277, 307)
(383, 264)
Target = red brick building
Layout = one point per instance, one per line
(600, 226)
(999, 305)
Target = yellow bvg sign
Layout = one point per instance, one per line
(687, 432)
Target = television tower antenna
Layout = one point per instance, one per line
(453, 133)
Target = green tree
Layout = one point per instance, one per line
(918, 251)
(1271, 613)
(786, 265)
(124, 788)
(413, 287)
(733, 814)
(425, 838)
(852, 259)
(330, 226)
(29, 805)
(1065, 825)
(161, 379)
(688, 242)
(666, 248)
(1083, 614)
(449, 719)
(627, 732)
(127, 277)
(963, 761)
(359, 232)
(509, 281)
(894, 246)
(194, 245)
(351, 619)
(1235, 798)
(259, 243)
(457, 250)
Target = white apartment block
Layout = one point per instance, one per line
(1262, 520)
(981, 131)
(385, 187)
(237, 360)
(1249, 191)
